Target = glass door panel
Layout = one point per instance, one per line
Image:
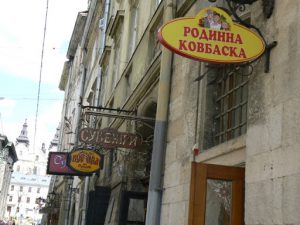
(218, 202)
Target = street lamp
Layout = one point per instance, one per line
(52, 196)
(51, 201)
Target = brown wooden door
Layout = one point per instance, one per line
(216, 195)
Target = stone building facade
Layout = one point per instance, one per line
(223, 146)
(8, 157)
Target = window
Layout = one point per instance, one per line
(35, 170)
(110, 210)
(29, 189)
(217, 195)
(103, 84)
(10, 198)
(127, 84)
(38, 190)
(154, 42)
(29, 171)
(28, 200)
(21, 188)
(18, 168)
(134, 18)
(19, 199)
(36, 158)
(115, 31)
(133, 208)
(155, 4)
(112, 8)
(227, 97)
(136, 211)
(111, 105)
(91, 96)
(231, 119)
(116, 67)
(101, 37)
(115, 155)
(12, 187)
(94, 53)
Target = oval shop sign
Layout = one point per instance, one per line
(85, 161)
(211, 36)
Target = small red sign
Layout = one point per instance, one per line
(57, 164)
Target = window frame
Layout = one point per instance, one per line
(232, 99)
(226, 95)
(134, 19)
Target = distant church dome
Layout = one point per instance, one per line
(23, 138)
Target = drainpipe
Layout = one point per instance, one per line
(160, 131)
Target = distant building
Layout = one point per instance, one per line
(29, 181)
(8, 157)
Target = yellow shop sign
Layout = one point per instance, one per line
(85, 161)
(211, 36)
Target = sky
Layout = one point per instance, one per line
(22, 25)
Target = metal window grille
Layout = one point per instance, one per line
(232, 98)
